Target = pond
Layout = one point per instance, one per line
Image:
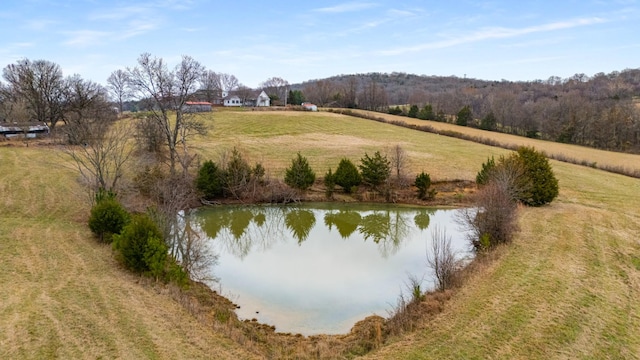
(320, 268)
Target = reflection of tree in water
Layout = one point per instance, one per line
(213, 222)
(300, 222)
(375, 226)
(260, 219)
(240, 220)
(385, 228)
(422, 219)
(188, 244)
(345, 221)
(244, 229)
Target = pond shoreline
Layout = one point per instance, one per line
(217, 311)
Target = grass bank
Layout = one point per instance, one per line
(566, 288)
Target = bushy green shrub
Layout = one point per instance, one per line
(238, 172)
(464, 116)
(543, 180)
(413, 111)
(107, 218)
(395, 110)
(300, 175)
(375, 170)
(209, 180)
(526, 176)
(482, 178)
(426, 113)
(423, 183)
(347, 175)
(138, 243)
(329, 183)
(489, 122)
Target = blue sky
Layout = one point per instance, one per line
(298, 41)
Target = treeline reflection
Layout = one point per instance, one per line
(242, 229)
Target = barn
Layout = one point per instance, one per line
(197, 106)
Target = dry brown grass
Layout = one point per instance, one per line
(63, 295)
(574, 153)
(566, 288)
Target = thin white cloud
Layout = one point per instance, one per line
(400, 13)
(84, 38)
(495, 33)
(137, 27)
(346, 7)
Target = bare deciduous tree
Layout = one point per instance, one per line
(373, 97)
(228, 82)
(41, 85)
(119, 87)
(169, 91)
(211, 85)
(399, 162)
(276, 88)
(320, 92)
(244, 93)
(441, 258)
(494, 219)
(87, 110)
(101, 159)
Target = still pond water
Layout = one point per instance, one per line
(320, 268)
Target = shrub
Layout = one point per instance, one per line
(538, 170)
(442, 259)
(482, 178)
(426, 113)
(300, 175)
(413, 111)
(347, 175)
(329, 183)
(464, 116)
(423, 183)
(494, 221)
(108, 217)
(155, 257)
(375, 170)
(489, 122)
(237, 174)
(395, 110)
(138, 243)
(209, 180)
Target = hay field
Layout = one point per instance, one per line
(62, 295)
(567, 287)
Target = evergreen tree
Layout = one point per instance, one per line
(413, 111)
(300, 175)
(375, 170)
(489, 122)
(543, 180)
(465, 116)
(347, 175)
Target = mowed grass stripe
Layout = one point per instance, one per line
(62, 293)
(566, 288)
(274, 138)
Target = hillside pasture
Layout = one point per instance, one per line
(566, 288)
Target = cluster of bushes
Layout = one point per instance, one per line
(425, 113)
(136, 239)
(524, 177)
(234, 179)
(373, 172)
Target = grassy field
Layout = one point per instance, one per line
(567, 288)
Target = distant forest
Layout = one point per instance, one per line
(601, 111)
